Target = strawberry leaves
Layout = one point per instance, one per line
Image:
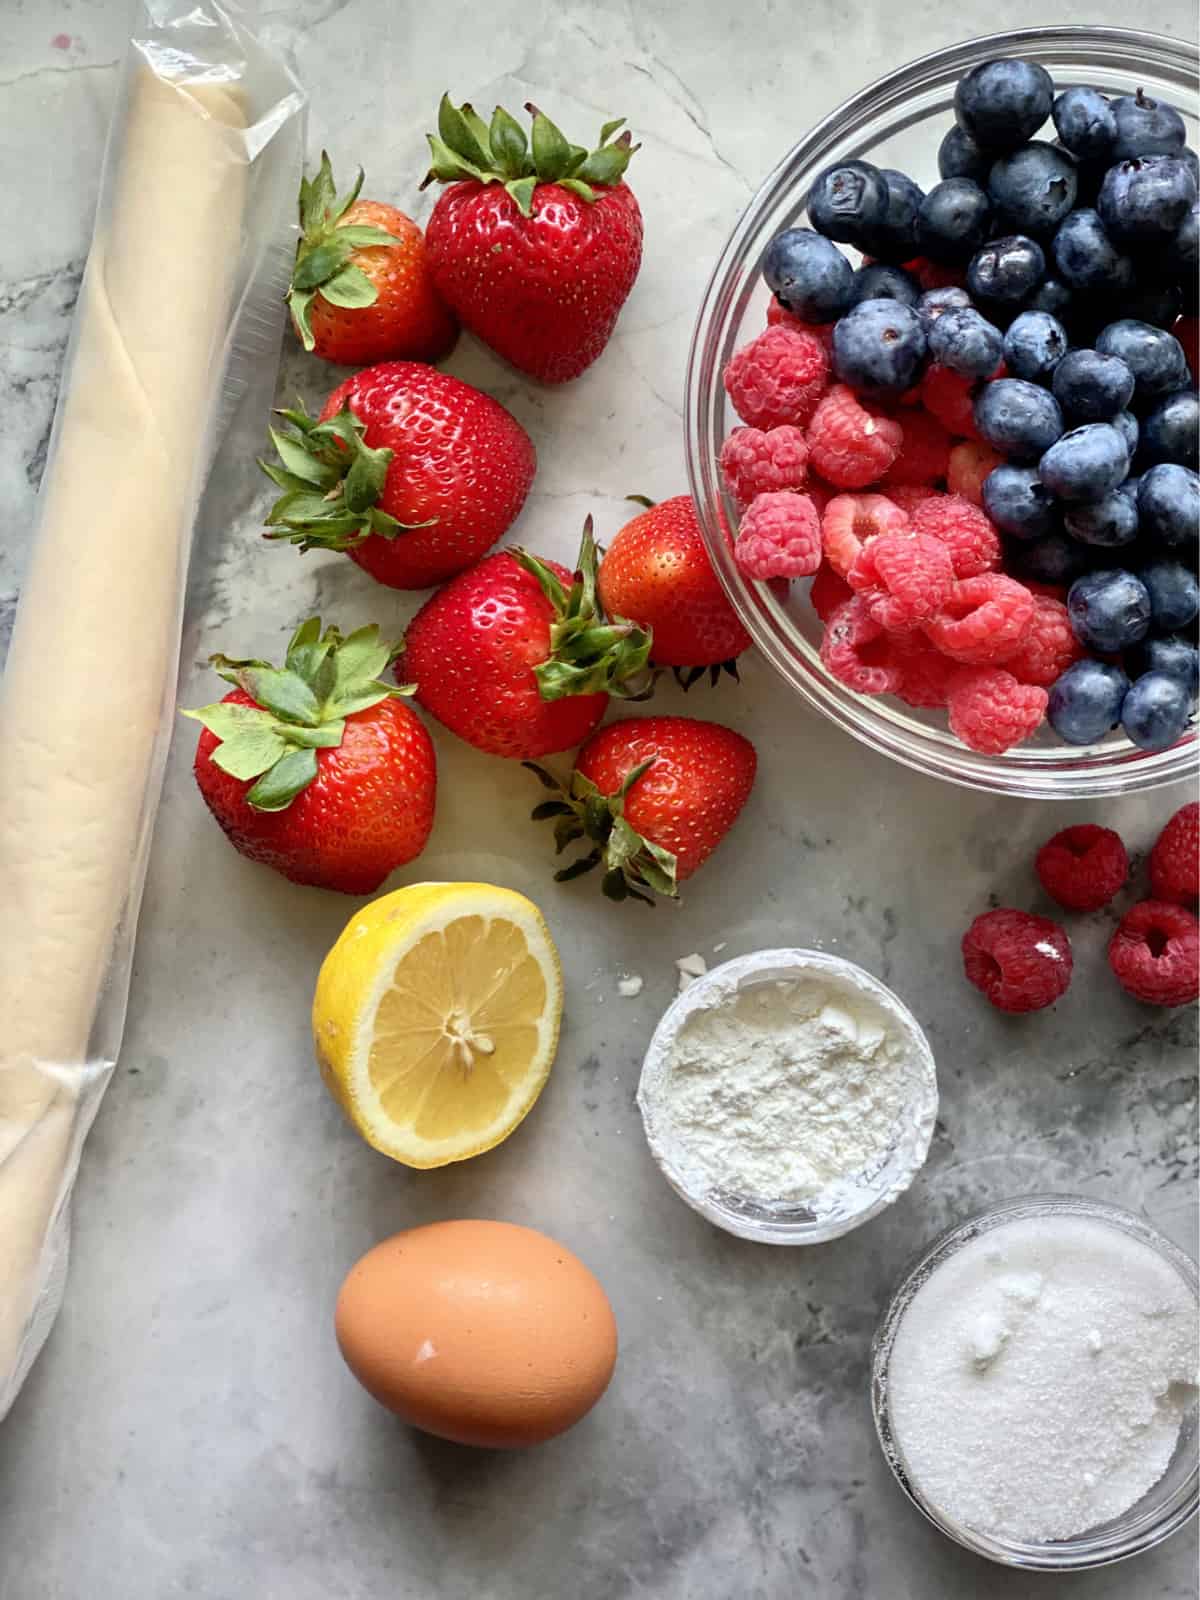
(299, 708)
(634, 866)
(464, 147)
(323, 256)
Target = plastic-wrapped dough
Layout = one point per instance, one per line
(182, 286)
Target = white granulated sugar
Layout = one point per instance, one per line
(690, 968)
(1039, 1377)
(787, 1088)
(630, 986)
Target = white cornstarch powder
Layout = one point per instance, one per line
(1040, 1375)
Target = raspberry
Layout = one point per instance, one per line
(970, 463)
(828, 592)
(1048, 648)
(1155, 954)
(925, 674)
(932, 276)
(1019, 961)
(967, 532)
(947, 397)
(777, 378)
(990, 711)
(1082, 867)
(924, 455)
(848, 445)
(858, 652)
(1175, 859)
(850, 520)
(780, 317)
(757, 463)
(779, 537)
(905, 578)
(908, 496)
(985, 619)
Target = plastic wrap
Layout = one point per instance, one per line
(179, 314)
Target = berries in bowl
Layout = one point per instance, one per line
(973, 435)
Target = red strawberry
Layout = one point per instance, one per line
(515, 657)
(318, 769)
(656, 572)
(536, 244)
(410, 471)
(655, 796)
(361, 288)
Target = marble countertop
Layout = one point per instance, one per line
(190, 1428)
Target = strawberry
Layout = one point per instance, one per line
(318, 770)
(410, 471)
(657, 573)
(515, 658)
(535, 244)
(655, 796)
(361, 288)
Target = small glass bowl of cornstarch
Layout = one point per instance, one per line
(1033, 1382)
(788, 1096)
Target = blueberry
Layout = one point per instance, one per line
(1084, 255)
(848, 200)
(960, 157)
(1008, 269)
(1146, 200)
(1085, 703)
(1156, 711)
(934, 301)
(1130, 431)
(1145, 127)
(1172, 430)
(1003, 103)
(1052, 297)
(894, 237)
(878, 347)
(1054, 559)
(878, 282)
(1182, 256)
(1108, 523)
(1086, 463)
(1085, 123)
(953, 221)
(1169, 504)
(966, 343)
(808, 275)
(1034, 345)
(1154, 356)
(1032, 189)
(1109, 611)
(1017, 418)
(1174, 595)
(1091, 387)
(1177, 657)
(1019, 503)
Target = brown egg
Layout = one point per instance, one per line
(482, 1332)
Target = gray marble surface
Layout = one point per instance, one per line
(190, 1428)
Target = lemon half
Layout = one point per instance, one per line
(436, 1019)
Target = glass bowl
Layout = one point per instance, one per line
(1164, 1509)
(841, 1206)
(898, 122)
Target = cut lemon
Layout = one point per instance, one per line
(436, 1019)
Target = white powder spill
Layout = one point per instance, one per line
(690, 968)
(630, 986)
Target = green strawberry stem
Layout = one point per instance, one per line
(299, 708)
(467, 147)
(331, 481)
(323, 264)
(589, 654)
(634, 867)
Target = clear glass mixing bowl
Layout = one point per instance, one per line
(898, 122)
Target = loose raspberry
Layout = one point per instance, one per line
(828, 592)
(780, 317)
(924, 455)
(858, 652)
(1155, 954)
(777, 378)
(964, 529)
(757, 463)
(905, 578)
(932, 276)
(925, 674)
(848, 445)
(1019, 961)
(1049, 646)
(850, 520)
(779, 537)
(947, 396)
(1083, 867)
(970, 463)
(1175, 859)
(908, 496)
(990, 711)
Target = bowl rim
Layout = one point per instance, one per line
(1044, 772)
